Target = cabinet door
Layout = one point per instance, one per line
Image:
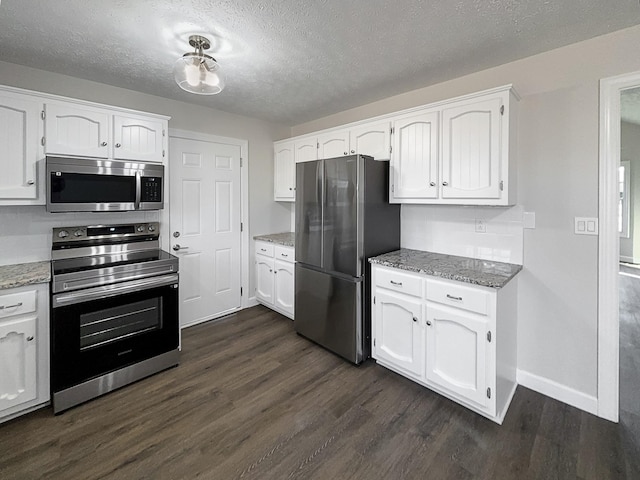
(456, 345)
(284, 286)
(334, 144)
(19, 140)
(138, 139)
(284, 181)
(74, 130)
(414, 161)
(372, 139)
(399, 339)
(306, 150)
(18, 380)
(471, 147)
(264, 279)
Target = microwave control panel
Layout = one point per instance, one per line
(151, 189)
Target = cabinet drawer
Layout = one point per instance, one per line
(286, 254)
(459, 296)
(264, 248)
(17, 303)
(399, 281)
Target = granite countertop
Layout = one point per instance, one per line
(288, 239)
(462, 269)
(12, 276)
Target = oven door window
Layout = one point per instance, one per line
(117, 323)
(99, 336)
(92, 188)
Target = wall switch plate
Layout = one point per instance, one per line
(481, 226)
(586, 226)
(529, 219)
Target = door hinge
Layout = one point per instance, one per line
(489, 337)
(374, 300)
(240, 162)
(489, 392)
(240, 291)
(163, 133)
(241, 227)
(317, 145)
(501, 185)
(502, 110)
(42, 141)
(43, 115)
(390, 149)
(392, 130)
(392, 187)
(162, 153)
(374, 342)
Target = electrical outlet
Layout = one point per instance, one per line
(481, 226)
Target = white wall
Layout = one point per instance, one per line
(558, 180)
(27, 230)
(630, 151)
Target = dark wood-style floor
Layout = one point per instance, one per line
(252, 400)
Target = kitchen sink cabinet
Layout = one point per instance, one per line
(275, 277)
(284, 168)
(87, 131)
(455, 338)
(24, 349)
(20, 149)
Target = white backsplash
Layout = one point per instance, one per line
(452, 230)
(25, 231)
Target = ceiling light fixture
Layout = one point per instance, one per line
(197, 72)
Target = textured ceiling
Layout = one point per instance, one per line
(293, 61)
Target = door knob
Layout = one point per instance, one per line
(177, 247)
(103, 144)
(445, 183)
(118, 145)
(432, 184)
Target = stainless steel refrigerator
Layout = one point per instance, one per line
(343, 217)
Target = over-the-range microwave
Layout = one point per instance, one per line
(103, 185)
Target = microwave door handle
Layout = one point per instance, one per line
(138, 189)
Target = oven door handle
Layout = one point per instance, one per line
(98, 293)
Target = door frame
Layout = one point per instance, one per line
(244, 200)
(609, 243)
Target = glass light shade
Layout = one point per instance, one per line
(199, 74)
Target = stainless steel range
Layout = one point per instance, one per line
(114, 309)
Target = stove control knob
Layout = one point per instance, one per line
(63, 234)
(152, 228)
(140, 228)
(78, 233)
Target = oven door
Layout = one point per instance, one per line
(98, 330)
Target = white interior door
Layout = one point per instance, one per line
(205, 227)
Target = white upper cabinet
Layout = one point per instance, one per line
(20, 135)
(373, 139)
(306, 149)
(284, 179)
(414, 164)
(77, 130)
(138, 138)
(333, 144)
(472, 150)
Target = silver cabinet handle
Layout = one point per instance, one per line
(104, 144)
(290, 188)
(29, 338)
(399, 284)
(445, 183)
(284, 254)
(177, 247)
(270, 270)
(353, 151)
(454, 298)
(5, 307)
(432, 184)
(263, 249)
(346, 153)
(30, 182)
(118, 145)
(415, 319)
(428, 323)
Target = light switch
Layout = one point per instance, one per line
(586, 226)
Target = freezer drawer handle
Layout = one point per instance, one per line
(454, 298)
(284, 254)
(398, 284)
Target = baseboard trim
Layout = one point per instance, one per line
(251, 302)
(560, 392)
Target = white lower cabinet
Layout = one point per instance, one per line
(444, 335)
(24, 349)
(275, 277)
